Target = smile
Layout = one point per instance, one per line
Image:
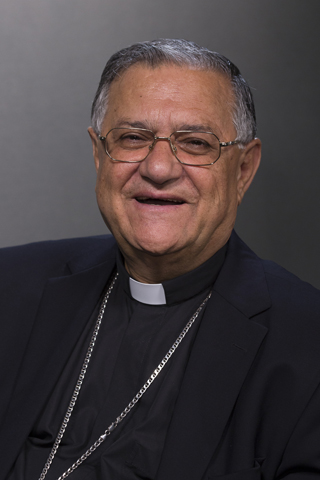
(158, 201)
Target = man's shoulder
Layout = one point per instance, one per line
(254, 280)
(274, 272)
(286, 288)
(292, 300)
(277, 273)
(52, 256)
(278, 300)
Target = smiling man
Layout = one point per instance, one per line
(160, 210)
(168, 350)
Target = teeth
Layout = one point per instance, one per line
(157, 201)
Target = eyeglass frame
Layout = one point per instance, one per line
(173, 147)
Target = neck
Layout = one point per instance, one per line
(147, 268)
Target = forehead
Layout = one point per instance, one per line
(170, 96)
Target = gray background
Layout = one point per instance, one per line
(52, 53)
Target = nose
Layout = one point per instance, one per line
(161, 165)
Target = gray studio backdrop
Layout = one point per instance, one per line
(52, 53)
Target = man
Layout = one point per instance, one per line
(204, 360)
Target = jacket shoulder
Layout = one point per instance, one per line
(254, 285)
(51, 257)
(289, 289)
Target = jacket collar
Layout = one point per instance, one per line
(242, 280)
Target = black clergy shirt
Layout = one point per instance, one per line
(133, 339)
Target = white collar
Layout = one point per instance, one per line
(149, 293)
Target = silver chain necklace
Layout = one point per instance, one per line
(130, 405)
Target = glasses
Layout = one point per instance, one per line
(133, 145)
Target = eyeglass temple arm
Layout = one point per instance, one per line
(227, 144)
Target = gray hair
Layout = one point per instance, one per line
(182, 53)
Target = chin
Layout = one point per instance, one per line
(156, 247)
(156, 250)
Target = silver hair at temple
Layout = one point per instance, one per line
(182, 53)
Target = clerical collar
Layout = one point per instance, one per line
(150, 293)
(177, 289)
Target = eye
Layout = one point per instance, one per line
(196, 143)
(130, 139)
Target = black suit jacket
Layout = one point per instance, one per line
(249, 404)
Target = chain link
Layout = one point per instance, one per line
(130, 405)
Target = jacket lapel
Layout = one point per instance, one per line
(65, 307)
(225, 347)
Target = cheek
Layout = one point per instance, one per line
(111, 186)
(102, 190)
(108, 181)
(104, 194)
(218, 191)
(211, 186)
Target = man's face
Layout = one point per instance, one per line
(159, 206)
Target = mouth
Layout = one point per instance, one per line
(158, 201)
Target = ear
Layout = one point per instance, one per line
(95, 147)
(249, 162)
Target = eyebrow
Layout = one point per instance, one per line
(196, 127)
(126, 123)
(146, 125)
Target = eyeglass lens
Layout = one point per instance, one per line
(133, 145)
